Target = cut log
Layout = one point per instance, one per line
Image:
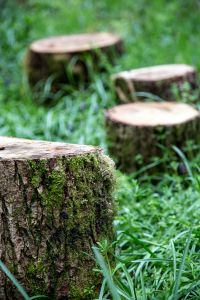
(156, 80)
(140, 130)
(69, 56)
(55, 203)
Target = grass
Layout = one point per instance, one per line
(158, 230)
(18, 286)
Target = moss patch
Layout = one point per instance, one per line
(77, 211)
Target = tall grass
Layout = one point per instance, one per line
(18, 286)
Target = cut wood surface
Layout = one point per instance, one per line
(55, 55)
(157, 80)
(142, 129)
(75, 43)
(55, 203)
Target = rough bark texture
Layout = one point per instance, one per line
(127, 84)
(134, 147)
(54, 205)
(70, 66)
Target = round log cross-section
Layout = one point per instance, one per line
(70, 58)
(55, 203)
(156, 80)
(138, 131)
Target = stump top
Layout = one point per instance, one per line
(75, 43)
(23, 149)
(152, 113)
(157, 73)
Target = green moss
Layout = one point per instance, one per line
(35, 269)
(35, 273)
(83, 294)
(56, 184)
(76, 193)
(38, 169)
(53, 181)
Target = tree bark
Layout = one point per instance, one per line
(139, 132)
(55, 203)
(157, 80)
(70, 58)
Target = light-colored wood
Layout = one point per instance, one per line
(152, 113)
(157, 73)
(146, 129)
(157, 80)
(55, 204)
(23, 149)
(75, 43)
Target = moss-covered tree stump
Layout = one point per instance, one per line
(156, 80)
(70, 58)
(138, 131)
(55, 203)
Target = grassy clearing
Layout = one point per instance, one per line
(158, 234)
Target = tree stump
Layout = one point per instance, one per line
(56, 202)
(138, 131)
(70, 57)
(157, 80)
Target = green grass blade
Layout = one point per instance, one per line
(144, 296)
(14, 281)
(190, 290)
(149, 96)
(141, 243)
(175, 295)
(129, 281)
(122, 288)
(106, 273)
(102, 291)
(184, 159)
(174, 258)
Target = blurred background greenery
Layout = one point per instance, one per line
(154, 32)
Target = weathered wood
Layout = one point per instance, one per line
(70, 56)
(141, 129)
(157, 80)
(55, 203)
